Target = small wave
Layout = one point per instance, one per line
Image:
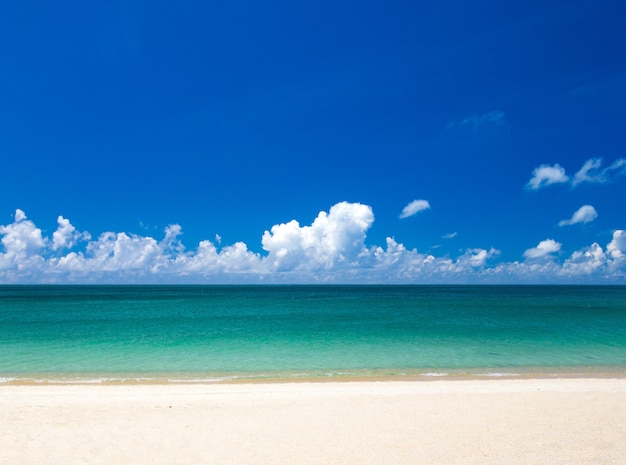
(201, 380)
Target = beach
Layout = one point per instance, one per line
(451, 421)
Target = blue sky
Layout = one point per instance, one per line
(176, 142)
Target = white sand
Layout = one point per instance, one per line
(504, 422)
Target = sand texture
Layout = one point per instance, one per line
(520, 421)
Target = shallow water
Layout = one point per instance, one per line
(225, 332)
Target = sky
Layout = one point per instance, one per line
(313, 142)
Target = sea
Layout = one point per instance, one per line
(204, 334)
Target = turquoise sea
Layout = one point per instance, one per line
(213, 333)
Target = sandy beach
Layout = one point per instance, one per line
(514, 421)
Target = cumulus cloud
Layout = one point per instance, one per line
(476, 257)
(121, 251)
(616, 250)
(66, 235)
(545, 175)
(208, 261)
(584, 214)
(22, 242)
(596, 261)
(21, 237)
(414, 207)
(545, 249)
(334, 238)
(331, 249)
(585, 261)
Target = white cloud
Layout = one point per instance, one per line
(19, 216)
(588, 172)
(121, 251)
(584, 214)
(207, 261)
(545, 249)
(414, 207)
(616, 249)
(336, 238)
(66, 236)
(585, 261)
(450, 235)
(545, 175)
(618, 166)
(591, 172)
(476, 257)
(21, 237)
(331, 249)
(171, 240)
(22, 242)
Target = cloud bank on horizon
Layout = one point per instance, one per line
(332, 249)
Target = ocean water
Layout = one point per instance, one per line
(212, 333)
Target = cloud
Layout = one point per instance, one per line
(336, 238)
(450, 235)
(331, 249)
(585, 261)
(23, 243)
(414, 207)
(493, 120)
(121, 251)
(66, 236)
(616, 252)
(588, 172)
(208, 261)
(545, 175)
(584, 214)
(591, 172)
(545, 249)
(21, 237)
(617, 247)
(476, 257)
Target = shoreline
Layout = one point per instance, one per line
(165, 379)
(560, 421)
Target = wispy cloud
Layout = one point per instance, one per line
(584, 214)
(545, 175)
(450, 235)
(414, 207)
(591, 171)
(492, 119)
